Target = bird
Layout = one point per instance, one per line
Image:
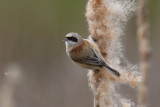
(85, 52)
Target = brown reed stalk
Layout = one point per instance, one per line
(144, 50)
(96, 14)
(106, 20)
(12, 78)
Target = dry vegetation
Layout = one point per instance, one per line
(144, 51)
(106, 22)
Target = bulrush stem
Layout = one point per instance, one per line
(106, 20)
(144, 50)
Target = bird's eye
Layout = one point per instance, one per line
(73, 39)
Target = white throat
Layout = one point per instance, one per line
(70, 45)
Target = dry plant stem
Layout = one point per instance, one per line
(99, 32)
(101, 87)
(12, 78)
(106, 20)
(7, 93)
(96, 96)
(144, 50)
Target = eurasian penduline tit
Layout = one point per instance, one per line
(86, 53)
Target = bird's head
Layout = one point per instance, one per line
(73, 40)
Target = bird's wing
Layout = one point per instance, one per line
(91, 59)
(101, 61)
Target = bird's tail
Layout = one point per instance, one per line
(112, 70)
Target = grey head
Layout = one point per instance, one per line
(73, 40)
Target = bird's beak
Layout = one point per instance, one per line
(65, 39)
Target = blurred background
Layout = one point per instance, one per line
(34, 68)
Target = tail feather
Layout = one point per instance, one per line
(112, 70)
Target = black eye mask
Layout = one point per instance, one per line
(73, 39)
